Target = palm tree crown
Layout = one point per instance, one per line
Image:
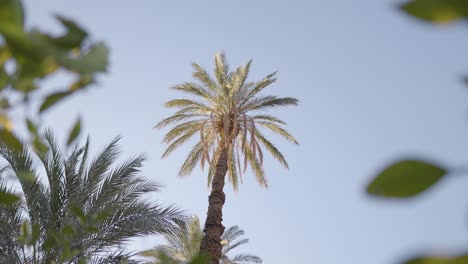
(82, 211)
(183, 246)
(226, 113)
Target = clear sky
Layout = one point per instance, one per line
(374, 86)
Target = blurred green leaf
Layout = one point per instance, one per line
(405, 179)
(35, 234)
(25, 233)
(68, 230)
(438, 260)
(26, 176)
(83, 81)
(75, 131)
(5, 122)
(4, 78)
(4, 103)
(200, 259)
(40, 147)
(11, 13)
(52, 99)
(23, 44)
(8, 199)
(437, 11)
(93, 60)
(74, 36)
(10, 140)
(4, 54)
(78, 212)
(31, 126)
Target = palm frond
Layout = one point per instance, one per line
(269, 118)
(192, 159)
(183, 245)
(221, 112)
(194, 89)
(272, 149)
(246, 258)
(88, 210)
(280, 131)
(221, 69)
(204, 77)
(232, 233)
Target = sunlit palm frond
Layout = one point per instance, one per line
(183, 246)
(222, 115)
(245, 259)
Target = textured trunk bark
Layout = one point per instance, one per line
(211, 243)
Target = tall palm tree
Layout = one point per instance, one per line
(226, 113)
(81, 210)
(184, 245)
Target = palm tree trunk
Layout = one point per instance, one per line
(211, 243)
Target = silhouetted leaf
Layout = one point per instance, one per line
(8, 199)
(405, 179)
(53, 99)
(74, 132)
(438, 260)
(437, 11)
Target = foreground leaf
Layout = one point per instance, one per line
(52, 99)
(405, 179)
(8, 199)
(75, 131)
(11, 12)
(437, 11)
(438, 260)
(10, 140)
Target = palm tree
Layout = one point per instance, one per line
(226, 115)
(82, 211)
(184, 245)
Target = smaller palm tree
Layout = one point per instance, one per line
(183, 246)
(81, 211)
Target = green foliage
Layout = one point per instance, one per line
(183, 246)
(11, 13)
(438, 260)
(437, 11)
(405, 179)
(408, 178)
(82, 210)
(31, 56)
(7, 196)
(75, 131)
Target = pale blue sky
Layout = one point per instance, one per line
(374, 85)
